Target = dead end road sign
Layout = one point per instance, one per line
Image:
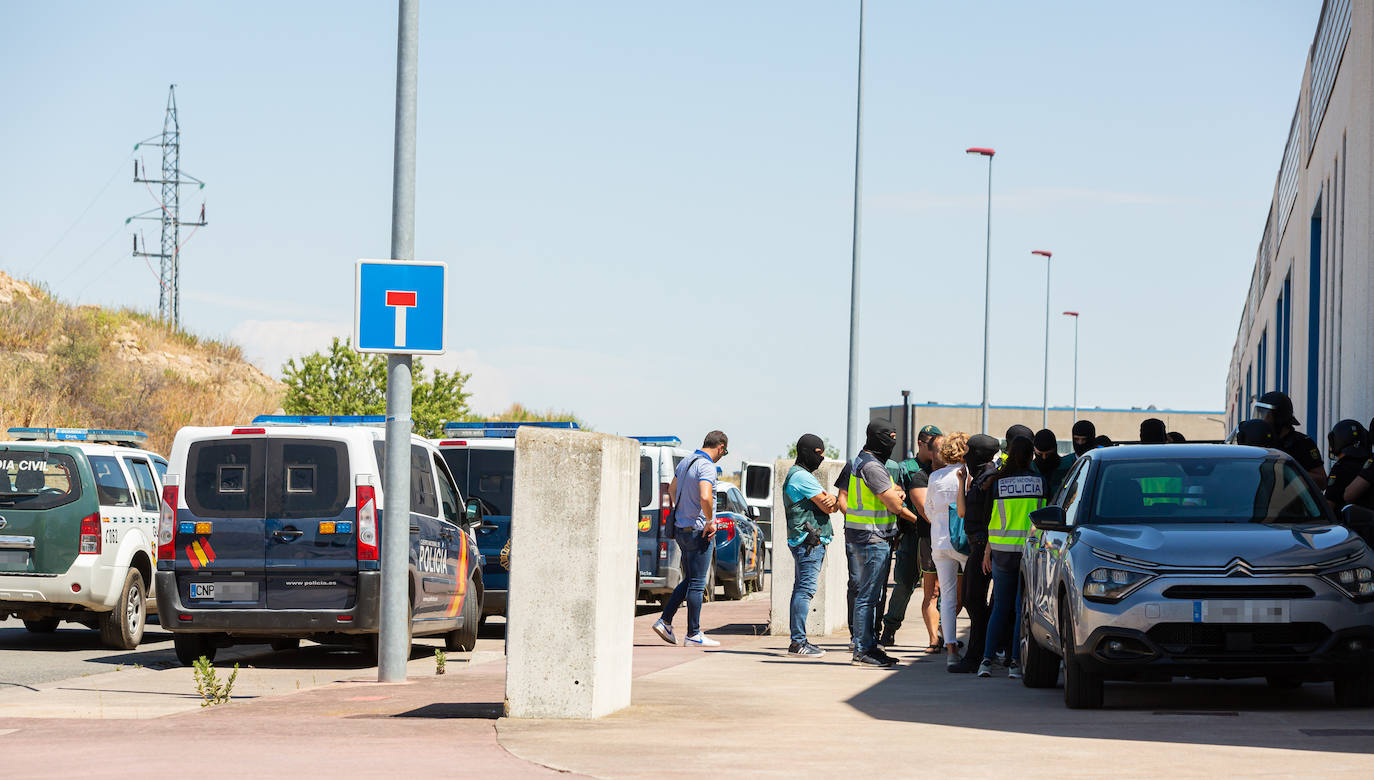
(400, 307)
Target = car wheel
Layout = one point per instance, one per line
(282, 645)
(1354, 689)
(465, 639)
(41, 626)
(735, 587)
(190, 647)
(122, 627)
(1082, 688)
(1039, 667)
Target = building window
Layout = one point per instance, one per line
(1262, 360)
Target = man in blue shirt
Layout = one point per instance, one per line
(808, 509)
(694, 529)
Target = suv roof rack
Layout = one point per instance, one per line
(94, 435)
(658, 441)
(499, 430)
(320, 419)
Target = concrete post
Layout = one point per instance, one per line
(829, 607)
(570, 617)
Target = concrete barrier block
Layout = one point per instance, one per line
(829, 607)
(570, 616)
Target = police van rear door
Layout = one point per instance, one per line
(220, 535)
(757, 481)
(311, 549)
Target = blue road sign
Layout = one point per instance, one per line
(400, 307)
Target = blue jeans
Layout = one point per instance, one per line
(695, 551)
(1006, 611)
(868, 567)
(808, 561)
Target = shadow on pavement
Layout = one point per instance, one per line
(67, 639)
(1231, 713)
(449, 711)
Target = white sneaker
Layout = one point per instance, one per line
(665, 632)
(701, 640)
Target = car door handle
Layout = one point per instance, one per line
(287, 534)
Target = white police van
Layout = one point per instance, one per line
(271, 533)
(756, 482)
(481, 456)
(78, 519)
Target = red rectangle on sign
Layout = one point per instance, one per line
(399, 298)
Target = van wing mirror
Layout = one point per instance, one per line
(1050, 518)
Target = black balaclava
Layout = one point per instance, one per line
(1019, 430)
(981, 450)
(807, 456)
(1102, 441)
(1255, 433)
(1153, 431)
(1086, 429)
(881, 438)
(1045, 440)
(1348, 438)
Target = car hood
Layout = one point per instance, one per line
(1217, 544)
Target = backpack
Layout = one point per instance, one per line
(957, 538)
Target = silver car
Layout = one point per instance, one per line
(1212, 561)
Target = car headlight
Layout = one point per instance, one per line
(1358, 583)
(1109, 585)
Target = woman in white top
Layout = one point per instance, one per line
(943, 491)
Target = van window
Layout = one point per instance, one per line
(484, 474)
(757, 482)
(422, 498)
(110, 485)
(646, 481)
(147, 488)
(449, 499)
(37, 479)
(307, 478)
(226, 478)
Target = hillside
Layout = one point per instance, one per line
(84, 366)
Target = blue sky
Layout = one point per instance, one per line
(645, 208)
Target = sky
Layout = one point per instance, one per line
(647, 209)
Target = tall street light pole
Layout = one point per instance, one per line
(1045, 416)
(1074, 314)
(983, 151)
(851, 430)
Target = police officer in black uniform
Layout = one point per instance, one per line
(1277, 410)
(1348, 442)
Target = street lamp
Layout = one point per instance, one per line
(851, 428)
(1045, 418)
(1074, 314)
(987, 152)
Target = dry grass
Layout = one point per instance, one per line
(90, 367)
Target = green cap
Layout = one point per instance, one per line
(931, 430)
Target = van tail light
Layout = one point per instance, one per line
(367, 523)
(90, 534)
(727, 525)
(167, 524)
(665, 502)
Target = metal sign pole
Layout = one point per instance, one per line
(393, 643)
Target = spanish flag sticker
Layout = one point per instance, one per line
(200, 553)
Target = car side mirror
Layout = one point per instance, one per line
(472, 513)
(1050, 518)
(754, 512)
(1360, 520)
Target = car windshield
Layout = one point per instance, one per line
(1194, 490)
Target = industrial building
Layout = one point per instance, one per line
(1305, 326)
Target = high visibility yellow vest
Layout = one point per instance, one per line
(1161, 490)
(1014, 498)
(865, 511)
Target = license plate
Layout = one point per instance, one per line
(1241, 611)
(224, 591)
(14, 559)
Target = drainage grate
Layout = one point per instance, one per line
(1338, 732)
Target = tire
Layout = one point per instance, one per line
(1354, 689)
(465, 639)
(736, 588)
(282, 645)
(1082, 688)
(190, 647)
(372, 651)
(122, 627)
(1039, 667)
(41, 626)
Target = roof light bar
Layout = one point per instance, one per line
(78, 434)
(499, 430)
(320, 419)
(658, 441)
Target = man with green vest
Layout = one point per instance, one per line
(873, 507)
(914, 564)
(808, 509)
(1016, 490)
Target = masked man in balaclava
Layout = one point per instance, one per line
(873, 505)
(1083, 434)
(975, 506)
(1052, 466)
(808, 509)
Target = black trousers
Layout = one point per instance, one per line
(976, 597)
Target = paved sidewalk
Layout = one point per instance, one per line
(742, 709)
